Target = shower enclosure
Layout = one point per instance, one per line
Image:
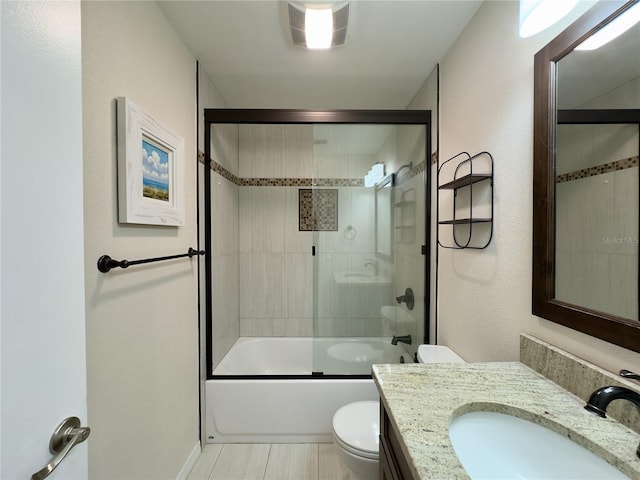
(315, 227)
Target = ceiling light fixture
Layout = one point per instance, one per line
(612, 30)
(537, 15)
(318, 25)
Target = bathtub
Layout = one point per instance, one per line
(289, 410)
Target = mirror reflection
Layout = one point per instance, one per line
(596, 177)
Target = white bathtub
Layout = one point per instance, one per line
(273, 410)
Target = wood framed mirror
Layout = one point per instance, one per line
(561, 293)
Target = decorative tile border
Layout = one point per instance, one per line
(301, 182)
(406, 175)
(220, 170)
(598, 170)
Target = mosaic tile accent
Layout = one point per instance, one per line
(406, 175)
(318, 210)
(301, 182)
(598, 170)
(220, 170)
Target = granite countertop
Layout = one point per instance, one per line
(422, 399)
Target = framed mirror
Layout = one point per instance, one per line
(585, 180)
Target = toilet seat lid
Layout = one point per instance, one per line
(357, 425)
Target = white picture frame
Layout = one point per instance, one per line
(150, 169)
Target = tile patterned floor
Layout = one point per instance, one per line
(238, 461)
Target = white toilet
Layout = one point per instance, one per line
(356, 431)
(356, 426)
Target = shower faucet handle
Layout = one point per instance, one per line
(407, 298)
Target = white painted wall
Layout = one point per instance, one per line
(142, 323)
(486, 92)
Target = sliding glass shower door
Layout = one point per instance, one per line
(314, 227)
(365, 208)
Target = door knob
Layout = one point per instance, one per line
(66, 436)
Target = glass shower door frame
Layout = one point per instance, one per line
(290, 116)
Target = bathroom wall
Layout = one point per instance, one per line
(142, 323)
(348, 152)
(486, 101)
(275, 257)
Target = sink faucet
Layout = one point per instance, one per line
(602, 397)
(630, 375)
(374, 264)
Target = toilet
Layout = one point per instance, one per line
(356, 431)
(356, 426)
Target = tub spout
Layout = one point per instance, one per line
(404, 339)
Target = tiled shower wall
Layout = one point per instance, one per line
(597, 232)
(225, 239)
(263, 267)
(263, 270)
(275, 264)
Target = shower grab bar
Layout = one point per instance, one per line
(106, 263)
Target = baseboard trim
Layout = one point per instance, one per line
(190, 462)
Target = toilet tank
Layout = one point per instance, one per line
(437, 354)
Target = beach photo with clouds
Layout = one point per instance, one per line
(155, 172)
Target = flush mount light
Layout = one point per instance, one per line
(537, 15)
(318, 25)
(613, 29)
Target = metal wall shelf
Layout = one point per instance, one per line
(465, 221)
(465, 181)
(465, 176)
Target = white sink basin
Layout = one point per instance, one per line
(494, 445)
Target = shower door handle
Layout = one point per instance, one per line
(66, 436)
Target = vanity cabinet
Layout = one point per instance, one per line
(393, 464)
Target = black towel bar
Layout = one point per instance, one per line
(106, 263)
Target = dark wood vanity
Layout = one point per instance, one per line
(393, 464)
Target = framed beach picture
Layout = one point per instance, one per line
(150, 169)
